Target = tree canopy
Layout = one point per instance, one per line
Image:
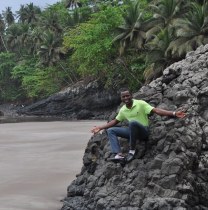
(116, 42)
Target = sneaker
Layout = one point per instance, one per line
(117, 158)
(130, 157)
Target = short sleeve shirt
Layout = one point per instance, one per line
(138, 112)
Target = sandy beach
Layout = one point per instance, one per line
(38, 160)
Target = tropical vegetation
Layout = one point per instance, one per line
(116, 42)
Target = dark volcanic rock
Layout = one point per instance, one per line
(1, 113)
(80, 101)
(173, 172)
(9, 110)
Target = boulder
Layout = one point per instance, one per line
(1, 113)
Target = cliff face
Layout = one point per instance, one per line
(81, 101)
(173, 171)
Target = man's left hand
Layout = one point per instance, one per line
(180, 114)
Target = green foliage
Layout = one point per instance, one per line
(24, 68)
(50, 50)
(36, 82)
(41, 62)
(144, 7)
(127, 70)
(191, 31)
(159, 57)
(135, 66)
(132, 33)
(41, 84)
(92, 42)
(8, 16)
(8, 86)
(64, 17)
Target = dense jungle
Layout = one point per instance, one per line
(114, 42)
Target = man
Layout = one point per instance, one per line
(136, 112)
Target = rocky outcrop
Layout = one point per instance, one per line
(81, 101)
(9, 110)
(170, 171)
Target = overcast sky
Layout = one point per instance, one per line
(15, 4)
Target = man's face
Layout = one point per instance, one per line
(126, 97)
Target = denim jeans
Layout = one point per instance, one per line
(134, 131)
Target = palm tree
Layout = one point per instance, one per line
(73, 4)
(50, 51)
(21, 14)
(36, 38)
(24, 36)
(2, 29)
(165, 13)
(158, 55)
(133, 30)
(75, 18)
(32, 13)
(13, 37)
(8, 16)
(168, 10)
(29, 13)
(192, 31)
(50, 21)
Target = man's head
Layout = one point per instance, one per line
(126, 97)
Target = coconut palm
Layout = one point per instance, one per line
(191, 31)
(50, 21)
(13, 39)
(133, 31)
(36, 38)
(21, 14)
(32, 13)
(165, 13)
(168, 10)
(158, 55)
(8, 16)
(2, 29)
(17, 37)
(2, 25)
(73, 4)
(75, 18)
(24, 37)
(29, 13)
(50, 51)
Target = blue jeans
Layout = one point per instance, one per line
(134, 131)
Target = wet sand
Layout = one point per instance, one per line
(38, 160)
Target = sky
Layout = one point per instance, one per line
(15, 4)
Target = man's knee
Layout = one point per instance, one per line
(110, 131)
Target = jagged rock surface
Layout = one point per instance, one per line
(81, 101)
(173, 172)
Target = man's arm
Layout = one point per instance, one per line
(163, 112)
(96, 129)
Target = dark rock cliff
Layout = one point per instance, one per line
(173, 171)
(81, 101)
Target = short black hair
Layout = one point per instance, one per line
(124, 89)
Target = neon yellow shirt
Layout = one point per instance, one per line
(138, 112)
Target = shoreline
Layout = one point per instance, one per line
(9, 114)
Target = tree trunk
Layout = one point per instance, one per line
(3, 42)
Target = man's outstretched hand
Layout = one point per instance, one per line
(180, 114)
(96, 129)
